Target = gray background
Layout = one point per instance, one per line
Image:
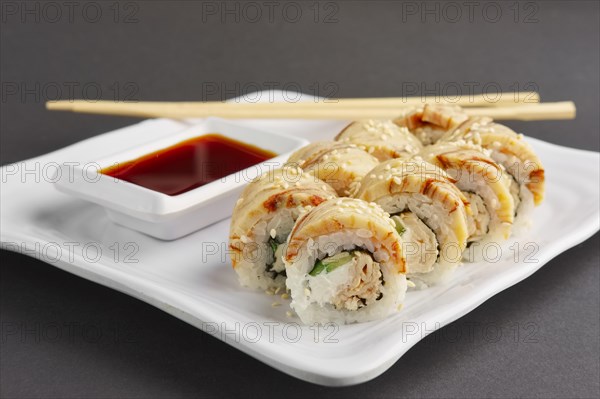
(542, 334)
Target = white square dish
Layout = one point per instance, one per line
(169, 217)
(192, 279)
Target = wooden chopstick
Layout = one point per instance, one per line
(541, 111)
(395, 103)
(529, 112)
(476, 100)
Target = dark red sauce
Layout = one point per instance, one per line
(189, 164)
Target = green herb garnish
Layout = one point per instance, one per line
(399, 226)
(331, 263)
(273, 245)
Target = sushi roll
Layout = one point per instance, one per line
(344, 263)
(487, 188)
(509, 149)
(381, 138)
(262, 219)
(340, 165)
(430, 122)
(430, 214)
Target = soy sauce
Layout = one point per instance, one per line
(190, 164)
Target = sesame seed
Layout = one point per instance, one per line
(273, 233)
(289, 314)
(285, 295)
(275, 304)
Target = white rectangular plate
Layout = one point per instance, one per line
(191, 278)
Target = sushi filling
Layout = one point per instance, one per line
(479, 221)
(428, 134)
(275, 266)
(420, 244)
(515, 191)
(349, 280)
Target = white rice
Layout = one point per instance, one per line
(523, 222)
(251, 269)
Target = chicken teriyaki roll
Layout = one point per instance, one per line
(430, 122)
(381, 138)
(340, 165)
(263, 218)
(344, 263)
(430, 214)
(509, 149)
(487, 188)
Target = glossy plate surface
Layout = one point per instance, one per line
(192, 279)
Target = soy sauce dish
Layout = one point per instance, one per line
(174, 186)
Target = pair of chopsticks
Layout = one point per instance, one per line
(505, 106)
